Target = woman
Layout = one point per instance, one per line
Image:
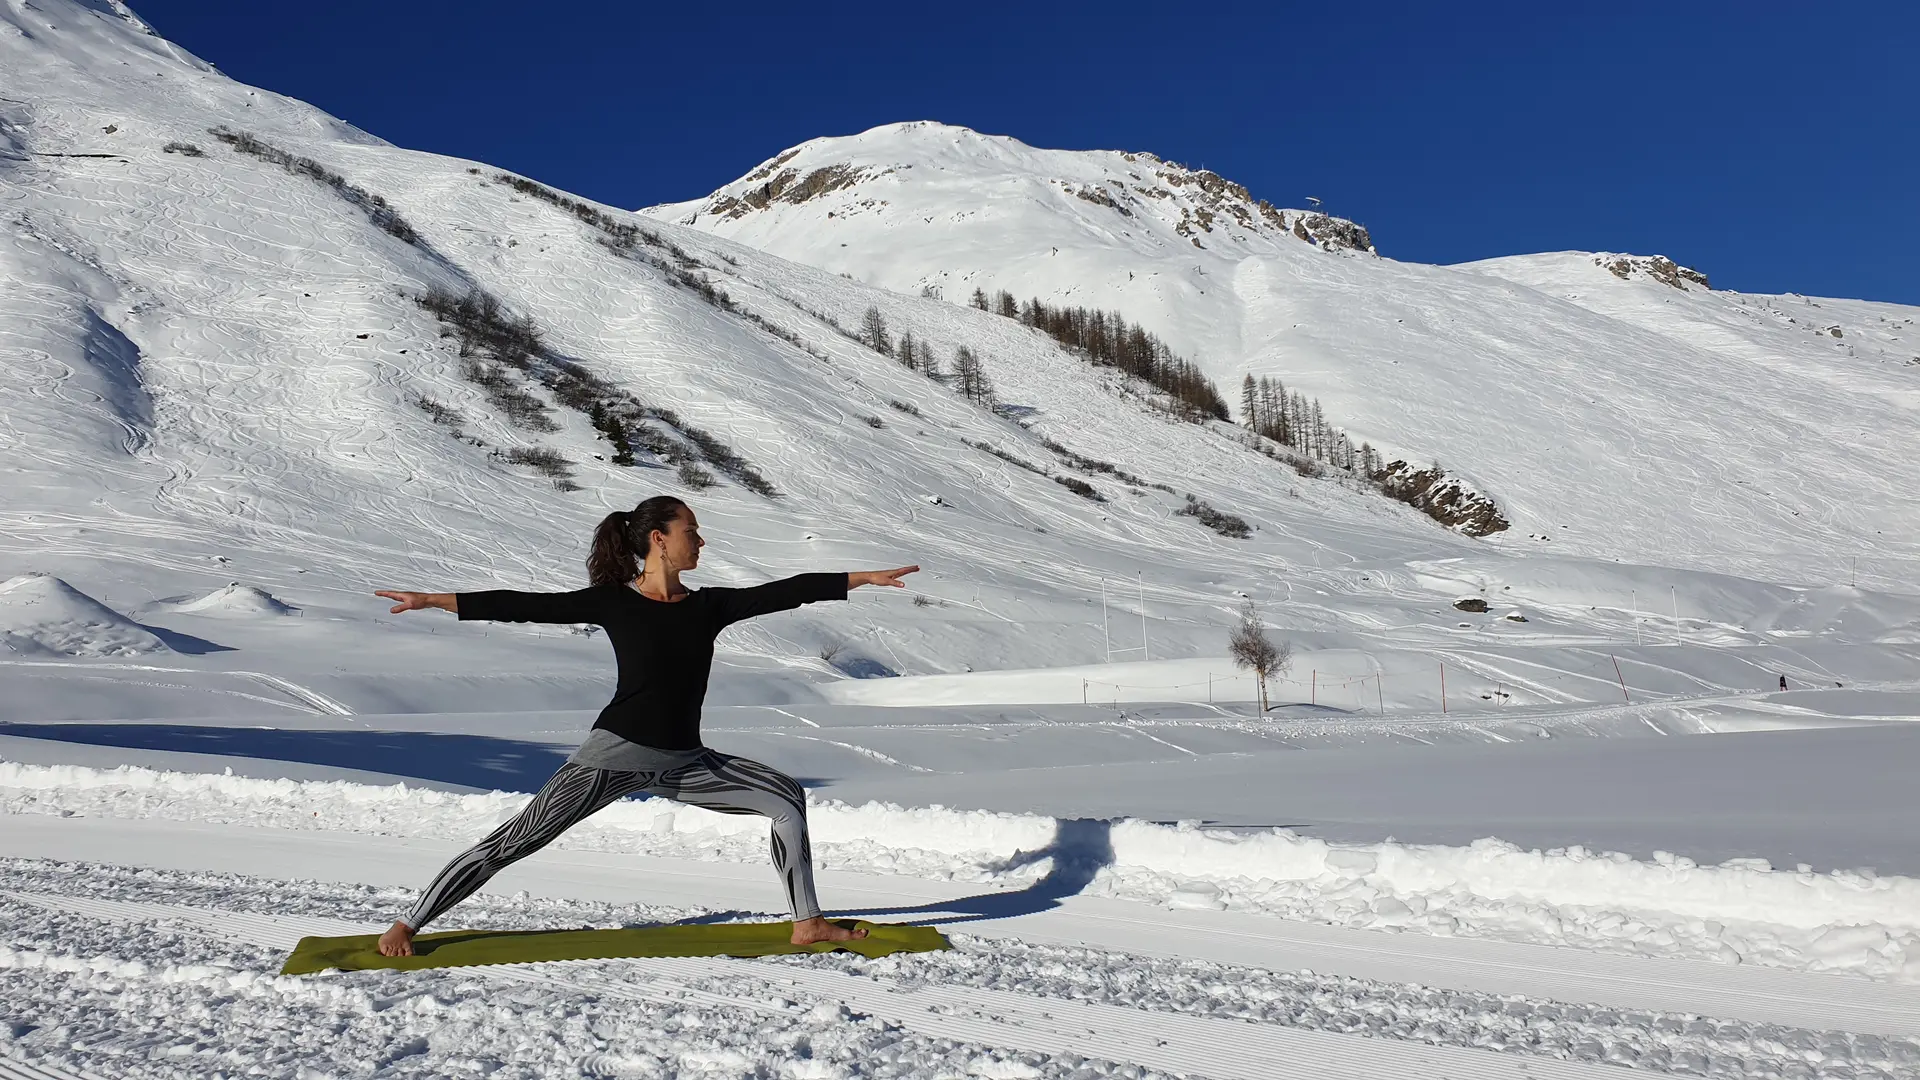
(647, 739)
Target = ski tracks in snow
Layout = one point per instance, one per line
(1227, 1049)
(1057, 1010)
(303, 699)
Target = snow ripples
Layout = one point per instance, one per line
(99, 994)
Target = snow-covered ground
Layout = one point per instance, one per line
(1593, 834)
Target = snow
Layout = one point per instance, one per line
(43, 615)
(235, 600)
(213, 453)
(1744, 911)
(926, 1016)
(1021, 989)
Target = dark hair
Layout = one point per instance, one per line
(620, 543)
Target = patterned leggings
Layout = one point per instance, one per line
(716, 781)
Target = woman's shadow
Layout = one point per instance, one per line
(1079, 849)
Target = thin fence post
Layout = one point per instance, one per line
(1380, 694)
(1623, 681)
(1443, 688)
(1144, 654)
(1106, 636)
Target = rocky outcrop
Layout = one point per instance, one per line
(789, 186)
(1446, 499)
(1100, 196)
(1658, 267)
(1335, 233)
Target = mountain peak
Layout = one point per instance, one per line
(920, 164)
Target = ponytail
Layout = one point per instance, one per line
(612, 560)
(620, 543)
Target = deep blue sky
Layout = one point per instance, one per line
(1773, 146)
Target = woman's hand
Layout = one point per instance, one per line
(879, 577)
(420, 601)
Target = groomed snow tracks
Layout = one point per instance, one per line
(1215, 1048)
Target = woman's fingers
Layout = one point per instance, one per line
(893, 576)
(407, 601)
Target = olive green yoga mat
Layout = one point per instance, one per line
(462, 948)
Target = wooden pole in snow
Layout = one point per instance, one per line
(1623, 681)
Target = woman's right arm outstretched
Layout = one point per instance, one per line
(505, 605)
(420, 601)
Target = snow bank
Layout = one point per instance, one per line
(41, 614)
(1742, 911)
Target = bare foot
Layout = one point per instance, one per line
(808, 931)
(397, 941)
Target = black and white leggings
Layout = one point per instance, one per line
(716, 781)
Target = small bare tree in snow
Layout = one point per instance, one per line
(971, 378)
(873, 332)
(1252, 648)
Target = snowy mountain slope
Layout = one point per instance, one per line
(1614, 436)
(218, 361)
(216, 370)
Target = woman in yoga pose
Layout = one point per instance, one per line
(647, 739)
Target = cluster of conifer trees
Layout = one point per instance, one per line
(1294, 420)
(1107, 338)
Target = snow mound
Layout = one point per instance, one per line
(41, 614)
(234, 599)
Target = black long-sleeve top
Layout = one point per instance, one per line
(664, 649)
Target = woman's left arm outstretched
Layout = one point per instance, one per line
(733, 605)
(857, 578)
